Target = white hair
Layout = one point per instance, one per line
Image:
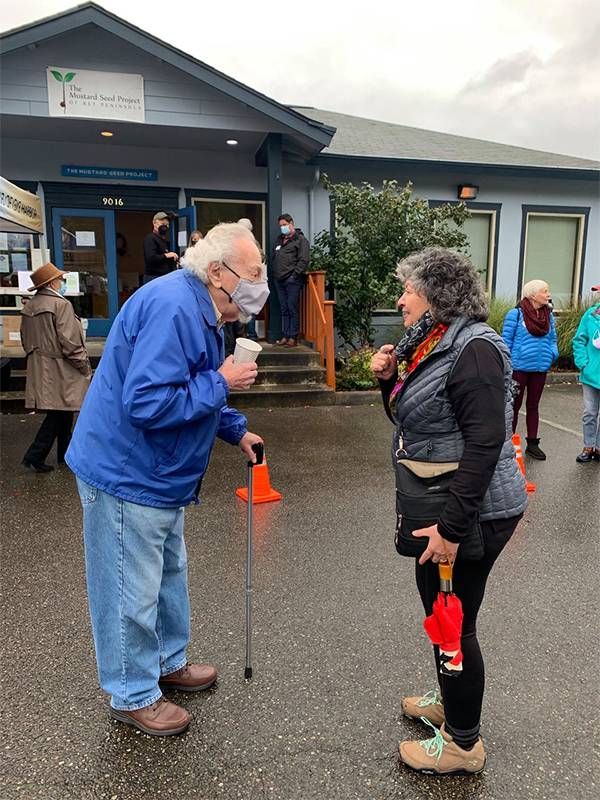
(533, 287)
(217, 246)
(246, 223)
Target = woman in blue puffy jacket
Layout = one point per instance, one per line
(530, 334)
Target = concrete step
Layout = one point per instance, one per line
(289, 375)
(12, 402)
(318, 394)
(271, 375)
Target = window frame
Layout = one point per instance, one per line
(582, 214)
(234, 198)
(494, 210)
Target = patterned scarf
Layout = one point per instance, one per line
(537, 320)
(418, 342)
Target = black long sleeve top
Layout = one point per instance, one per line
(155, 261)
(476, 392)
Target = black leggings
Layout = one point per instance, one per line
(463, 694)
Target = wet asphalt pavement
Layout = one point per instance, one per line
(337, 635)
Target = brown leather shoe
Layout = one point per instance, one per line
(291, 343)
(282, 341)
(162, 718)
(191, 678)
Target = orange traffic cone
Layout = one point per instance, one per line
(262, 491)
(516, 440)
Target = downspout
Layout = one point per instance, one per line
(311, 203)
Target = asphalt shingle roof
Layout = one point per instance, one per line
(357, 136)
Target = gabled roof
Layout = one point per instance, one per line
(357, 137)
(90, 13)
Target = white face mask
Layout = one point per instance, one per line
(248, 296)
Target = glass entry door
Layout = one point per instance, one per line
(84, 242)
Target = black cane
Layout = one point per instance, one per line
(259, 451)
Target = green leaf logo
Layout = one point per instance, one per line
(57, 75)
(69, 77)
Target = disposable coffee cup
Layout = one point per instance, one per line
(245, 351)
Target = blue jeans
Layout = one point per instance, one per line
(251, 329)
(289, 300)
(136, 571)
(591, 416)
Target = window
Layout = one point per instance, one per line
(15, 256)
(210, 211)
(481, 230)
(552, 250)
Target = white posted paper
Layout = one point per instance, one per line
(24, 280)
(182, 238)
(36, 258)
(85, 238)
(72, 283)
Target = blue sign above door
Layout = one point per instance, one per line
(109, 173)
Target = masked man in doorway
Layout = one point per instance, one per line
(290, 262)
(158, 258)
(139, 451)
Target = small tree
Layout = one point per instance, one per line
(373, 231)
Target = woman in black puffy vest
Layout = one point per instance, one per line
(447, 387)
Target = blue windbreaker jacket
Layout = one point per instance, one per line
(529, 353)
(149, 420)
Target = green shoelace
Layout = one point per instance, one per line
(434, 746)
(432, 698)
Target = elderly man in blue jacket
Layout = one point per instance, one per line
(140, 448)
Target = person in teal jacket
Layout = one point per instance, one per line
(530, 334)
(586, 353)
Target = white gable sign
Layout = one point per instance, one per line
(82, 93)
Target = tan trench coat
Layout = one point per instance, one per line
(58, 367)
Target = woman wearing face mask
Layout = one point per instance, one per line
(530, 334)
(586, 352)
(58, 367)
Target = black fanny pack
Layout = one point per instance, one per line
(419, 503)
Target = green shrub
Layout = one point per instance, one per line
(375, 228)
(354, 372)
(499, 308)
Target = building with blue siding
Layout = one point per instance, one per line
(108, 124)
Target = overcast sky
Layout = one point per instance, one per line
(523, 72)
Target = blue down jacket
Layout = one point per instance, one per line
(529, 353)
(149, 420)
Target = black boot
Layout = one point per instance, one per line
(533, 449)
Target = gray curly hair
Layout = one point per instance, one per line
(448, 281)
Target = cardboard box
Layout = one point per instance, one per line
(11, 331)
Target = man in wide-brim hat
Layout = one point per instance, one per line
(58, 367)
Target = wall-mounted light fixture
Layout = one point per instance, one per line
(466, 191)
(232, 142)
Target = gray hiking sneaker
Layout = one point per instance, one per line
(429, 706)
